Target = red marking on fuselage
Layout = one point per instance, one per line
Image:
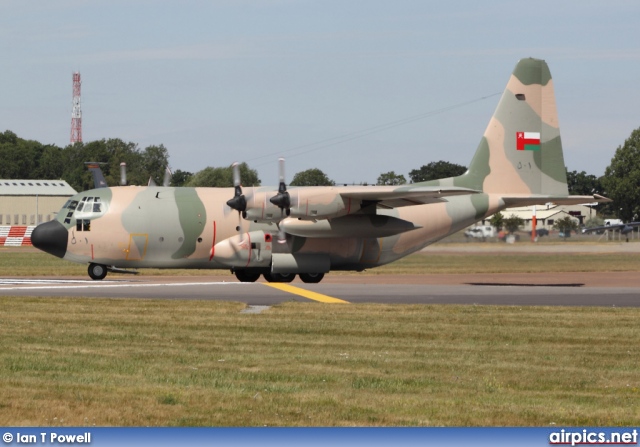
(92, 252)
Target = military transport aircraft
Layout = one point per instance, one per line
(308, 231)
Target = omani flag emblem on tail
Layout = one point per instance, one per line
(528, 141)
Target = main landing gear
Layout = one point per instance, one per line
(251, 275)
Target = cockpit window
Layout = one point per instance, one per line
(81, 211)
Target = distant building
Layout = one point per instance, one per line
(30, 202)
(547, 215)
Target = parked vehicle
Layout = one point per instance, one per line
(541, 232)
(480, 232)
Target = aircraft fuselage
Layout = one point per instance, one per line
(163, 227)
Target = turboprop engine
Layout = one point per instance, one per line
(306, 204)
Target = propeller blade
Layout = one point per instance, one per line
(167, 177)
(281, 170)
(238, 202)
(240, 228)
(282, 199)
(236, 173)
(123, 174)
(151, 182)
(282, 236)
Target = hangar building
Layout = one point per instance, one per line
(30, 202)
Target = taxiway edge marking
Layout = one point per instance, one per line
(306, 293)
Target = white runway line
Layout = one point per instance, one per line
(101, 285)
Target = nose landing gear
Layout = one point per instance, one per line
(97, 272)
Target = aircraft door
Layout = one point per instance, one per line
(137, 246)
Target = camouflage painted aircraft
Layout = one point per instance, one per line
(309, 231)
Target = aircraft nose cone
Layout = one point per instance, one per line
(51, 237)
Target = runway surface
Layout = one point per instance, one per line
(568, 289)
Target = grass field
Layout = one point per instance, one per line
(192, 363)
(84, 362)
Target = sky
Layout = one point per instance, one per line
(354, 88)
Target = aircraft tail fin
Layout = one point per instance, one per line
(96, 172)
(520, 152)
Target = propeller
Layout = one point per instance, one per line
(123, 174)
(165, 182)
(167, 177)
(238, 202)
(282, 200)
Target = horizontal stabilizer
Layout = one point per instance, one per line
(512, 202)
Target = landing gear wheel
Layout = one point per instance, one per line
(279, 277)
(247, 275)
(97, 271)
(311, 278)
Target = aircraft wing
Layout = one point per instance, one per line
(540, 199)
(395, 196)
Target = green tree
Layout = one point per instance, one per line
(436, 170)
(151, 162)
(512, 223)
(180, 178)
(223, 177)
(50, 164)
(565, 225)
(312, 177)
(497, 220)
(621, 180)
(595, 221)
(390, 178)
(8, 137)
(155, 160)
(18, 157)
(583, 184)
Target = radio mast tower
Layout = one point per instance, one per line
(76, 113)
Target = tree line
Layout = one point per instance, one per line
(29, 159)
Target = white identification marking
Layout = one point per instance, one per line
(13, 281)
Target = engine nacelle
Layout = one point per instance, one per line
(307, 203)
(251, 249)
